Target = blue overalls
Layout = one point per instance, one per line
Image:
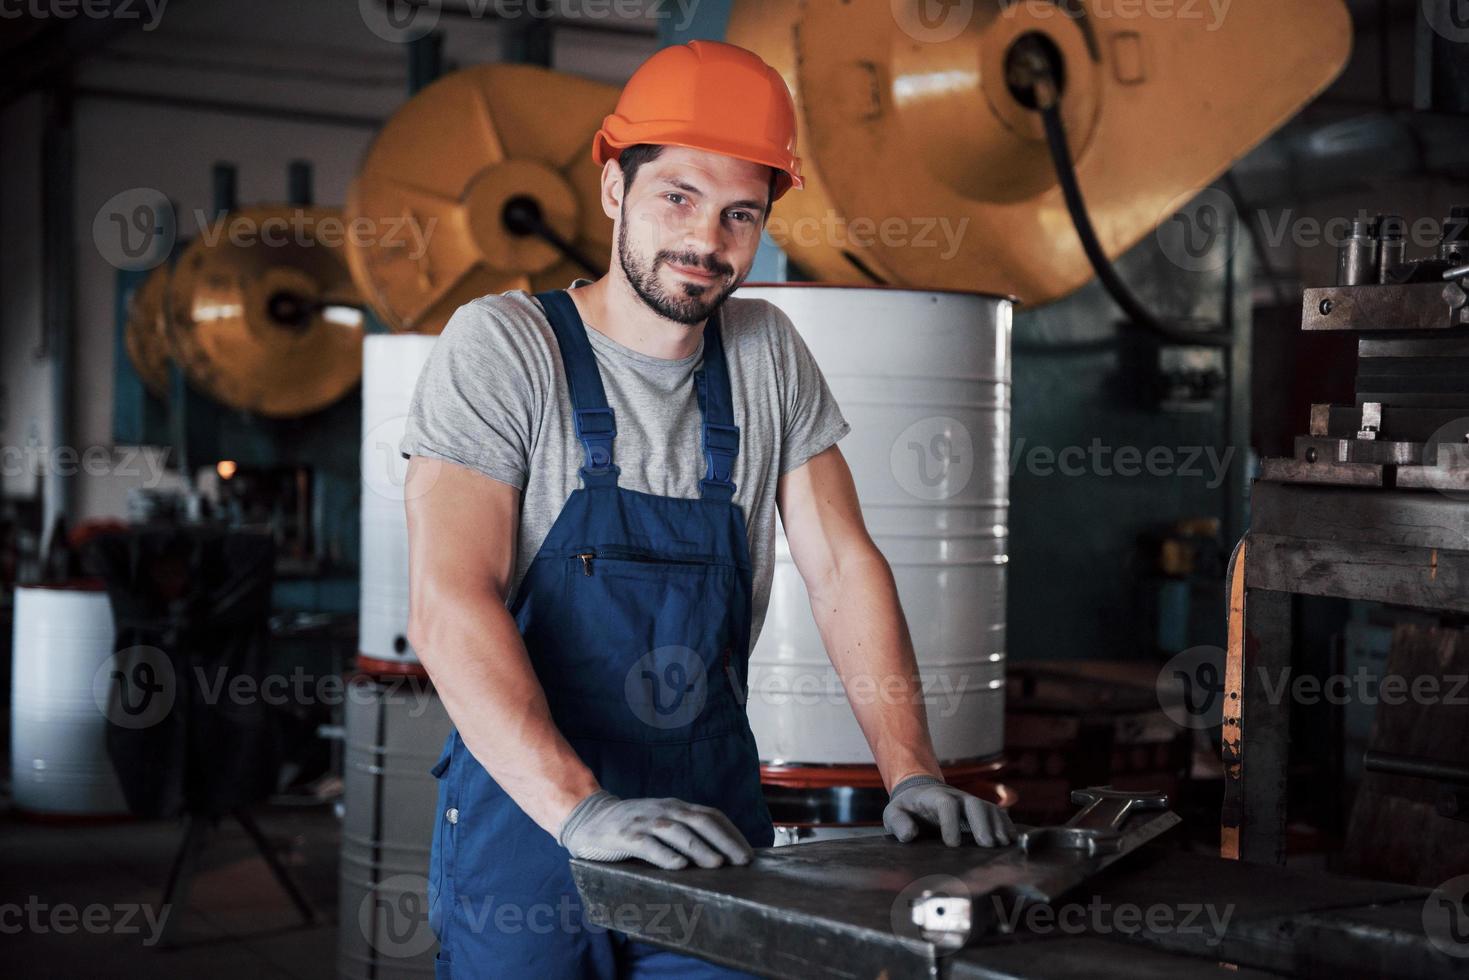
(636, 614)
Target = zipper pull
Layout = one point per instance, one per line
(586, 561)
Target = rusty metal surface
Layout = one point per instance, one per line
(1423, 578)
(1419, 306)
(1403, 519)
(1324, 471)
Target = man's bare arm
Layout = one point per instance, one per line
(461, 550)
(855, 603)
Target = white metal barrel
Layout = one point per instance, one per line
(58, 734)
(395, 730)
(390, 369)
(924, 379)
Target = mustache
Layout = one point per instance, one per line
(707, 263)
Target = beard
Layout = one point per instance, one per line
(688, 302)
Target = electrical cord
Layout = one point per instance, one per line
(1033, 69)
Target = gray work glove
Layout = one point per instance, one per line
(668, 833)
(920, 800)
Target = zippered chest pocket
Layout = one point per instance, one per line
(591, 557)
(639, 647)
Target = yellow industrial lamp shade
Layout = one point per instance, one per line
(263, 313)
(146, 335)
(925, 168)
(428, 205)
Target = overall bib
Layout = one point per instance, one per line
(636, 613)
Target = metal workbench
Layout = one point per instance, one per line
(840, 909)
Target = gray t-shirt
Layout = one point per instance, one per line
(493, 397)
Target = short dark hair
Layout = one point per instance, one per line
(638, 154)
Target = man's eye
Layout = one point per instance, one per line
(671, 197)
(743, 216)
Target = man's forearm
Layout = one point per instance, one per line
(468, 642)
(861, 622)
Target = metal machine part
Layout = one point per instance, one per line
(886, 101)
(1097, 829)
(482, 183)
(1409, 427)
(1347, 516)
(263, 315)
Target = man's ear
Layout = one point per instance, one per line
(613, 189)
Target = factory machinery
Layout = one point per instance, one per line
(1373, 505)
(494, 160)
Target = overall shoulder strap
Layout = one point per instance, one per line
(721, 435)
(596, 426)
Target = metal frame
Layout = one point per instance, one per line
(1402, 547)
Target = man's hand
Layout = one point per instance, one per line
(925, 800)
(666, 832)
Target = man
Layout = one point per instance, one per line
(607, 462)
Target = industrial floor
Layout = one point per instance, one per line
(237, 922)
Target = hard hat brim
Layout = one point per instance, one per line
(607, 147)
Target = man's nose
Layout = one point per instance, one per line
(702, 234)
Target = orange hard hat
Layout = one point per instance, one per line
(712, 96)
